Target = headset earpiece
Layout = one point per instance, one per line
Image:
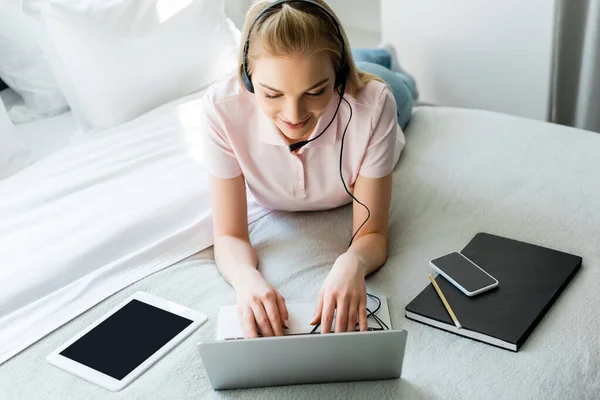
(245, 77)
(247, 82)
(342, 76)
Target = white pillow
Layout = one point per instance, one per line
(118, 59)
(14, 155)
(24, 68)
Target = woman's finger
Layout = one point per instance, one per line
(327, 315)
(248, 323)
(318, 309)
(261, 319)
(283, 312)
(352, 316)
(341, 315)
(273, 315)
(362, 315)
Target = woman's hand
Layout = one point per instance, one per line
(344, 292)
(259, 304)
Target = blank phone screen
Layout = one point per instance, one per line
(463, 271)
(126, 339)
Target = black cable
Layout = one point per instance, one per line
(374, 312)
(371, 313)
(296, 146)
(378, 301)
(342, 177)
(382, 325)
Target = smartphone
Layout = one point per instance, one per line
(463, 273)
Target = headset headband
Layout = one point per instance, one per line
(341, 75)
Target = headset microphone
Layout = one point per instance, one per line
(296, 146)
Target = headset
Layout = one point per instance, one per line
(341, 75)
(341, 78)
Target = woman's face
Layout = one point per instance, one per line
(294, 91)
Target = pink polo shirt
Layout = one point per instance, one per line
(241, 139)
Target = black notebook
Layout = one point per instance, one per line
(530, 278)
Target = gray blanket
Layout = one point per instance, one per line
(462, 172)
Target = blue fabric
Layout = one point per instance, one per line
(375, 56)
(378, 62)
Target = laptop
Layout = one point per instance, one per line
(301, 357)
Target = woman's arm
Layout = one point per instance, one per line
(344, 289)
(258, 302)
(233, 251)
(370, 244)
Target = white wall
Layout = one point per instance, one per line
(360, 14)
(490, 54)
(236, 11)
(361, 20)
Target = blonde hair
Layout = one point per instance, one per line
(300, 28)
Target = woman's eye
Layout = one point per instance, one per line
(276, 96)
(272, 96)
(317, 94)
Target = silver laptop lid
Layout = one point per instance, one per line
(317, 358)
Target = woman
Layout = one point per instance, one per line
(278, 127)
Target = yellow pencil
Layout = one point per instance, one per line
(448, 308)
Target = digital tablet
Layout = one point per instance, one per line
(126, 341)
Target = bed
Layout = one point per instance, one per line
(462, 172)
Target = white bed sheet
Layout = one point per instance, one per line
(49, 135)
(99, 214)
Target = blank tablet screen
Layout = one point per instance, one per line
(126, 339)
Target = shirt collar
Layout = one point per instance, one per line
(270, 134)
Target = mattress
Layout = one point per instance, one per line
(462, 172)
